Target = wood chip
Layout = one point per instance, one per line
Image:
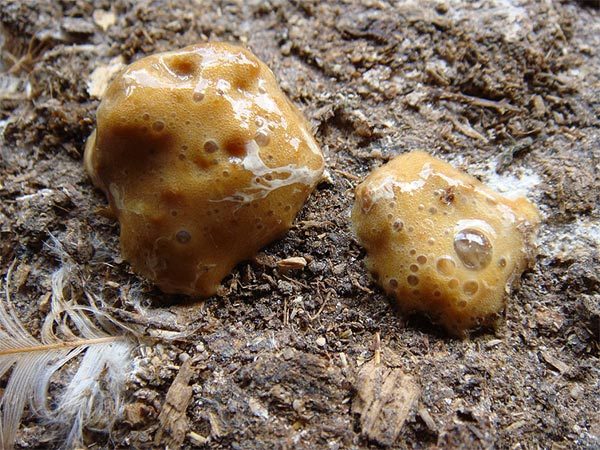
(427, 419)
(104, 19)
(197, 439)
(384, 399)
(174, 424)
(555, 362)
(293, 263)
(101, 76)
(467, 129)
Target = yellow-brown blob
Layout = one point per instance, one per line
(441, 242)
(204, 161)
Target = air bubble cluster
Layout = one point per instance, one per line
(459, 248)
(204, 161)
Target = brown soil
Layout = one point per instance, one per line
(276, 356)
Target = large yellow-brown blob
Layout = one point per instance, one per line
(204, 161)
(441, 242)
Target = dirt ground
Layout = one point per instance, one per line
(506, 89)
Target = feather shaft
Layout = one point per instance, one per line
(61, 345)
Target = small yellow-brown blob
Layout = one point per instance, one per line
(204, 161)
(441, 242)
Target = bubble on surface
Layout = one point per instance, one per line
(211, 146)
(414, 268)
(397, 225)
(473, 248)
(502, 262)
(183, 237)
(393, 283)
(159, 125)
(453, 283)
(262, 137)
(413, 280)
(422, 259)
(471, 287)
(198, 96)
(445, 265)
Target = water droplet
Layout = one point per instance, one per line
(413, 280)
(159, 125)
(211, 146)
(183, 237)
(262, 137)
(421, 259)
(470, 287)
(473, 248)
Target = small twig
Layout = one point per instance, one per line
(501, 106)
(325, 300)
(377, 348)
(347, 175)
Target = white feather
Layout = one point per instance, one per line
(92, 396)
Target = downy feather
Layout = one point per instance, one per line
(92, 396)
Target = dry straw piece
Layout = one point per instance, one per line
(441, 242)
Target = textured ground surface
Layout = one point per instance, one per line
(509, 91)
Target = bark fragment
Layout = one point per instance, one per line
(384, 399)
(174, 424)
